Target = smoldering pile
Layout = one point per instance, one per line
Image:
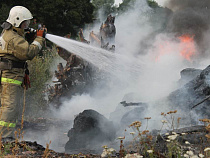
(89, 132)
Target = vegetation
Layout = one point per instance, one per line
(170, 145)
(129, 4)
(105, 6)
(152, 3)
(40, 74)
(126, 5)
(60, 17)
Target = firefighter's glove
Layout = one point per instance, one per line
(30, 30)
(41, 33)
(26, 80)
(30, 34)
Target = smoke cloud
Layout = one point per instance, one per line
(191, 17)
(160, 61)
(154, 46)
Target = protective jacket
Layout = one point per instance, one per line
(13, 46)
(14, 51)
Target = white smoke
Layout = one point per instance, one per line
(160, 65)
(117, 2)
(71, 108)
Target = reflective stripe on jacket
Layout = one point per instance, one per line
(8, 80)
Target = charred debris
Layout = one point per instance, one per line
(77, 76)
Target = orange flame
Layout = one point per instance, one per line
(188, 46)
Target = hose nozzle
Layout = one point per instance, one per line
(31, 30)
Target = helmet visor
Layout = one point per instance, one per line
(25, 24)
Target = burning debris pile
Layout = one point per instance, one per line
(90, 131)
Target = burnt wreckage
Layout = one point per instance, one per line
(106, 36)
(78, 75)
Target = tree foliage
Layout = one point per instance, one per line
(152, 4)
(59, 16)
(106, 6)
(125, 5)
(129, 4)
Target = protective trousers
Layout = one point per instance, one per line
(10, 108)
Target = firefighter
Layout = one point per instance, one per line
(14, 52)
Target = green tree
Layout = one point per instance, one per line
(107, 7)
(3, 12)
(126, 5)
(129, 4)
(59, 16)
(152, 4)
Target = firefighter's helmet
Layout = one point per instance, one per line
(18, 14)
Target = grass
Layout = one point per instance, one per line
(145, 145)
(46, 152)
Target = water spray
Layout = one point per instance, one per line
(110, 62)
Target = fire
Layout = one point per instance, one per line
(188, 46)
(185, 47)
